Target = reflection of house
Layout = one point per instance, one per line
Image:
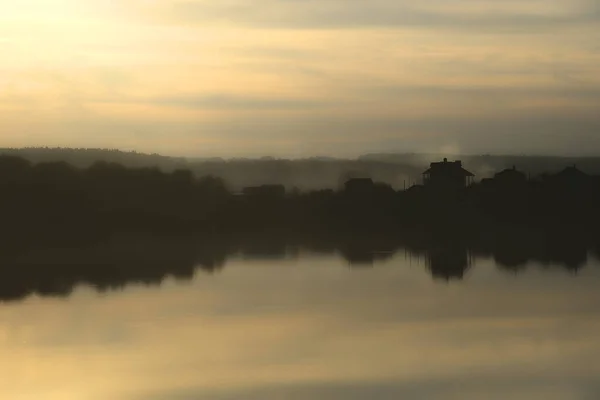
(447, 175)
(265, 191)
(448, 262)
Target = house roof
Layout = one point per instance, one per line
(510, 171)
(448, 166)
(572, 171)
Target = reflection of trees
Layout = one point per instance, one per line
(570, 252)
(366, 251)
(112, 263)
(107, 265)
(513, 249)
(363, 256)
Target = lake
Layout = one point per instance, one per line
(310, 326)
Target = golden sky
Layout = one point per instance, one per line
(304, 77)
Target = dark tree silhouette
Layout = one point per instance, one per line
(56, 218)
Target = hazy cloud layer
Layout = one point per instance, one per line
(223, 102)
(482, 15)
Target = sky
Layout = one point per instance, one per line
(296, 78)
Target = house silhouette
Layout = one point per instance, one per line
(571, 174)
(447, 175)
(510, 178)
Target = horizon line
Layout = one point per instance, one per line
(284, 158)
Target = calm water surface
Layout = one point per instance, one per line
(312, 328)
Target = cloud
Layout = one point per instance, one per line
(235, 102)
(523, 16)
(349, 136)
(243, 132)
(477, 387)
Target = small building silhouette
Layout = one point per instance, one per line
(447, 175)
(571, 174)
(359, 186)
(271, 191)
(510, 177)
(570, 180)
(415, 189)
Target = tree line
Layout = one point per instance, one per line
(56, 197)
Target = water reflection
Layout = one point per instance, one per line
(309, 327)
(149, 259)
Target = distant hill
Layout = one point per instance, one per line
(83, 158)
(310, 173)
(484, 166)
(305, 174)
